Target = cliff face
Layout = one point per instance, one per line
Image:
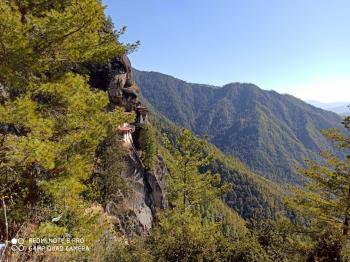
(117, 78)
(135, 211)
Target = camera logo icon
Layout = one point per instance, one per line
(17, 244)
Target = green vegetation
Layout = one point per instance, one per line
(325, 202)
(252, 196)
(189, 190)
(107, 180)
(43, 39)
(321, 231)
(148, 145)
(271, 133)
(61, 159)
(196, 227)
(56, 120)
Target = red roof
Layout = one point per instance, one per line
(125, 129)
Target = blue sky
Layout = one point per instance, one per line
(301, 47)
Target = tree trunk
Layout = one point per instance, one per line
(6, 222)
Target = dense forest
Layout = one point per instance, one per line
(89, 173)
(252, 196)
(271, 133)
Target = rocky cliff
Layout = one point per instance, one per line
(134, 211)
(117, 78)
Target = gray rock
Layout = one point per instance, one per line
(116, 77)
(135, 212)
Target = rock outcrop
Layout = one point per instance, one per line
(116, 77)
(156, 186)
(136, 211)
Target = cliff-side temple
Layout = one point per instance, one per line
(126, 131)
(141, 114)
(136, 211)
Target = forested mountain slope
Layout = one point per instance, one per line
(272, 133)
(252, 196)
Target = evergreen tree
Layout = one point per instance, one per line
(54, 121)
(198, 226)
(325, 202)
(148, 144)
(42, 39)
(190, 189)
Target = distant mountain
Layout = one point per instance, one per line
(341, 108)
(272, 133)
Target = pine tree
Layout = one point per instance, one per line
(190, 188)
(42, 39)
(54, 120)
(148, 144)
(198, 226)
(325, 201)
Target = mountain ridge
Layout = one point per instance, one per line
(272, 133)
